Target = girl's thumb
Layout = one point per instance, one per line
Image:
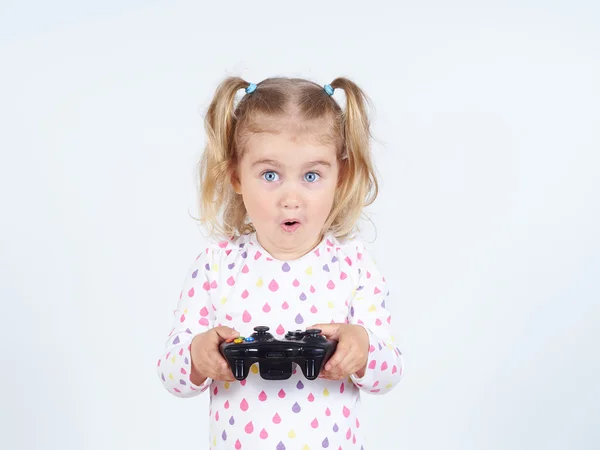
(226, 332)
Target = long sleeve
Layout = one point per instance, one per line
(194, 315)
(368, 308)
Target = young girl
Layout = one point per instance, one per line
(285, 175)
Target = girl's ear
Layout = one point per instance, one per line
(235, 181)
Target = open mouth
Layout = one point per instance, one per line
(290, 225)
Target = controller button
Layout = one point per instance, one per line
(249, 339)
(275, 355)
(238, 340)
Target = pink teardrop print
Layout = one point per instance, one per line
(244, 405)
(264, 434)
(245, 294)
(273, 286)
(280, 329)
(281, 393)
(346, 412)
(191, 292)
(246, 317)
(276, 418)
(262, 396)
(266, 308)
(330, 284)
(249, 428)
(285, 305)
(314, 423)
(296, 283)
(230, 281)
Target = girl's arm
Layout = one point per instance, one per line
(368, 308)
(194, 315)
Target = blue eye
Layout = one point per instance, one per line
(270, 176)
(311, 177)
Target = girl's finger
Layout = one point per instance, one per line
(338, 355)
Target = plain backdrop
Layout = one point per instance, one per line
(487, 227)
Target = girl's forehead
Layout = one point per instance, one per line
(284, 143)
(287, 151)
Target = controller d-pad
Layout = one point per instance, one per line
(294, 334)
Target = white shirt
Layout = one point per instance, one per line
(235, 282)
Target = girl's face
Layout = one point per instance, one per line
(288, 184)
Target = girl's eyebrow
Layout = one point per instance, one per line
(272, 162)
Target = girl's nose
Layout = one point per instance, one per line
(290, 199)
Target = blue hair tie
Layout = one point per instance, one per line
(251, 88)
(329, 89)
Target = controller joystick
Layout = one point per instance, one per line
(261, 329)
(308, 349)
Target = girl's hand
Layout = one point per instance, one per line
(206, 357)
(352, 351)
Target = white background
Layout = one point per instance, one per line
(487, 226)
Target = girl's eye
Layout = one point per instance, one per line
(270, 176)
(311, 177)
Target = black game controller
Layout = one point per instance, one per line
(309, 349)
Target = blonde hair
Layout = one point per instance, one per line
(227, 128)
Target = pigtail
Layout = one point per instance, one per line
(358, 186)
(216, 192)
